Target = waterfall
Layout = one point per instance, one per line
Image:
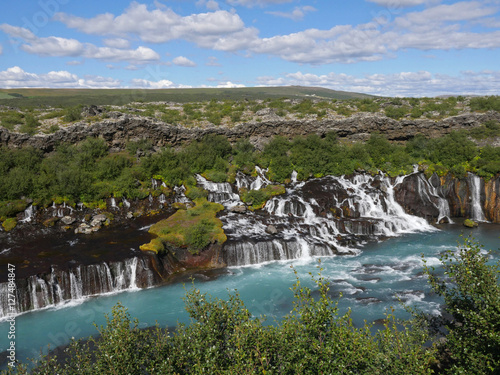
(219, 192)
(261, 180)
(29, 214)
(477, 213)
(59, 287)
(126, 203)
(430, 194)
(319, 217)
(113, 203)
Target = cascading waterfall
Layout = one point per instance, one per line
(59, 287)
(307, 228)
(430, 194)
(477, 213)
(219, 192)
(29, 214)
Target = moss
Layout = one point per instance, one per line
(11, 208)
(155, 245)
(50, 222)
(9, 224)
(258, 198)
(179, 206)
(194, 228)
(470, 223)
(194, 192)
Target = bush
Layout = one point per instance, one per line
(471, 292)
(72, 114)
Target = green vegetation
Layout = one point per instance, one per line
(194, 228)
(471, 291)
(314, 338)
(75, 97)
(9, 224)
(88, 173)
(258, 198)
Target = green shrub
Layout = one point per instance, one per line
(471, 292)
(72, 114)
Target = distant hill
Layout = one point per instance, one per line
(71, 97)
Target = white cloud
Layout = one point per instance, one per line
(396, 4)
(296, 14)
(56, 46)
(252, 3)
(117, 43)
(183, 61)
(421, 83)
(161, 84)
(1, 49)
(229, 84)
(161, 25)
(209, 4)
(16, 77)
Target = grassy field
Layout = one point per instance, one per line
(72, 97)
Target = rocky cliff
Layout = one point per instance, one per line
(117, 132)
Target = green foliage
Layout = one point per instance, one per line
(487, 103)
(488, 129)
(194, 228)
(395, 112)
(11, 118)
(9, 224)
(258, 198)
(140, 145)
(471, 292)
(72, 114)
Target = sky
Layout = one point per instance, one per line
(381, 47)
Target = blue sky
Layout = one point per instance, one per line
(380, 47)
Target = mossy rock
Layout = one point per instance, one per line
(155, 245)
(9, 224)
(194, 228)
(470, 223)
(179, 206)
(51, 222)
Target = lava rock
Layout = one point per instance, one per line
(239, 209)
(68, 220)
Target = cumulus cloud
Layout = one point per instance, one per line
(183, 61)
(408, 84)
(117, 43)
(163, 25)
(15, 77)
(56, 46)
(161, 84)
(229, 85)
(296, 14)
(436, 27)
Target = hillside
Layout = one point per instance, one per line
(71, 97)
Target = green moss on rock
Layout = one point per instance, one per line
(9, 224)
(194, 228)
(470, 223)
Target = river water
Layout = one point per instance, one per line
(371, 281)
